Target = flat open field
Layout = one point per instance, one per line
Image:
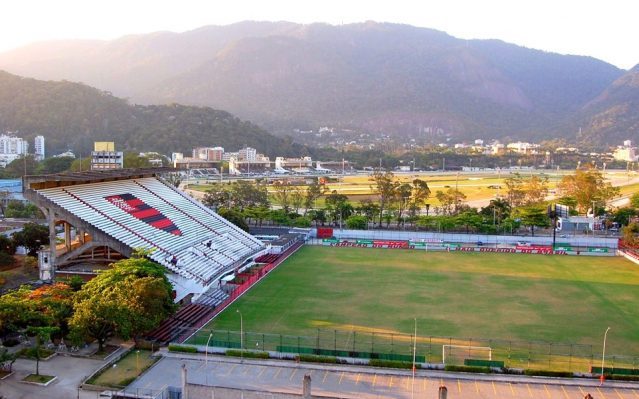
(479, 187)
(518, 297)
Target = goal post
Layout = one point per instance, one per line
(455, 354)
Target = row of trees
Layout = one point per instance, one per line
(402, 203)
(126, 300)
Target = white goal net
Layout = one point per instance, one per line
(456, 354)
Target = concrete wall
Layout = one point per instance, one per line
(471, 238)
(202, 391)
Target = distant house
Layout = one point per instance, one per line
(578, 224)
(11, 190)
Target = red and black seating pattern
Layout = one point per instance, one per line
(137, 208)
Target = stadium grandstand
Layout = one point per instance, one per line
(106, 215)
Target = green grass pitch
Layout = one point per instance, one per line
(484, 295)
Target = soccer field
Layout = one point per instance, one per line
(561, 299)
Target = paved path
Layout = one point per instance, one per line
(69, 370)
(369, 383)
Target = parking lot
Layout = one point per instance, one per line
(357, 382)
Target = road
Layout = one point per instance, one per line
(368, 383)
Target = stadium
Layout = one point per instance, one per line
(349, 294)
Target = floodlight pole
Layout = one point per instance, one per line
(412, 388)
(206, 352)
(241, 337)
(603, 355)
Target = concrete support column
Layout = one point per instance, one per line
(185, 392)
(67, 236)
(52, 255)
(306, 387)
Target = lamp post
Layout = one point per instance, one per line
(241, 337)
(137, 361)
(206, 351)
(603, 356)
(412, 388)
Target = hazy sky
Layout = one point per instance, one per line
(607, 30)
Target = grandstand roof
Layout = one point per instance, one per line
(140, 211)
(61, 179)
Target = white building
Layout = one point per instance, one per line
(104, 156)
(626, 153)
(68, 153)
(12, 148)
(248, 154)
(39, 148)
(523, 147)
(208, 153)
(228, 155)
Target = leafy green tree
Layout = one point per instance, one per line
(279, 216)
(282, 194)
(132, 297)
(469, 219)
(42, 334)
(497, 210)
(338, 207)
(385, 187)
(21, 165)
(634, 200)
(403, 193)
(297, 198)
(629, 235)
(313, 192)
(54, 165)
(133, 160)
(218, 196)
(245, 194)
(419, 194)
(18, 311)
(586, 186)
(533, 216)
(302, 221)
(7, 359)
(450, 200)
(81, 165)
(525, 191)
(32, 237)
(234, 217)
(357, 222)
(7, 245)
(19, 209)
(368, 209)
(317, 215)
(622, 216)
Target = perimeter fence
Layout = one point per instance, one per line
(428, 349)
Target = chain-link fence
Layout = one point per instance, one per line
(429, 349)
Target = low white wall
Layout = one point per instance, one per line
(471, 238)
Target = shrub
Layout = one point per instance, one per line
(395, 364)
(622, 377)
(317, 359)
(247, 354)
(6, 259)
(182, 348)
(548, 373)
(125, 382)
(468, 369)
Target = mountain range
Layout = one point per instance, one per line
(374, 77)
(73, 116)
